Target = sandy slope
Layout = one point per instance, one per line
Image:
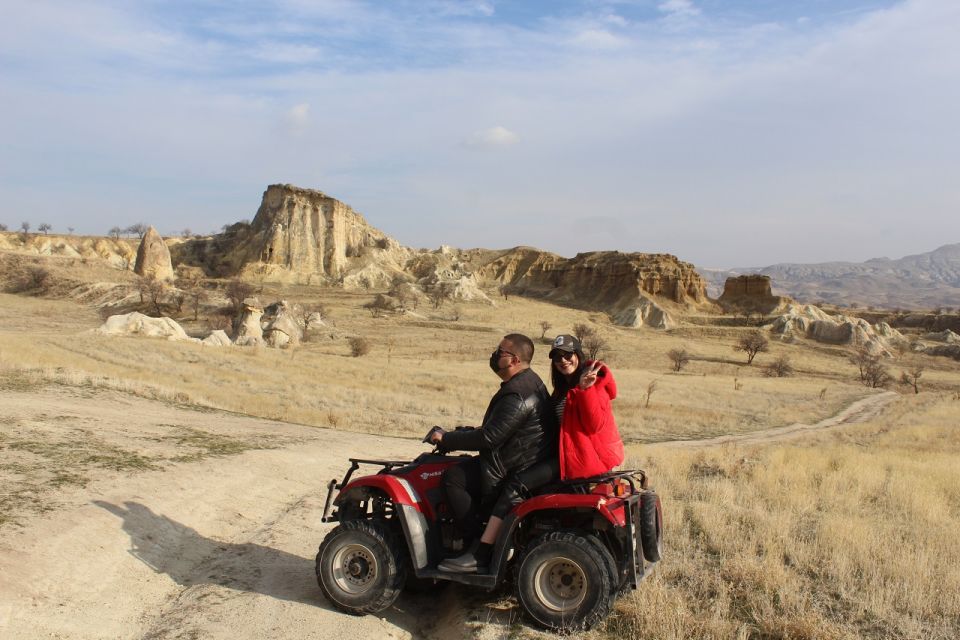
(218, 548)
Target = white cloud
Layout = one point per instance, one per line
(598, 39)
(491, 138)
(679, 8)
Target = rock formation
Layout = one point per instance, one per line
(750, 293)
(281, 327)
(218, 338)
(812, 322)
(153, 257)
(947, 336)
(306, 232)
(636, 289)
(139, 324)
(249, 329)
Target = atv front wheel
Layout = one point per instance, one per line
(564, 582)
(360, 567)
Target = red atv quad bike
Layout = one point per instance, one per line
(570, 550)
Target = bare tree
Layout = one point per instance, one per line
(582, 330)
(3, 227)
(237, 291)
(115, 232)
(379, 305)
(912, 378)
(875, 375)
(186, 233)
(651, 387)
(593, 344)
(439, 293)
(780, 368)
(544, 327)
(309, 311)
(679, 357)
(25, 228)
(190, 281)
(138, 228)
(862, 359)
(153, 291)
(752, 343)
(44, 227)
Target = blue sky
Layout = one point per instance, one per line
(729, 133)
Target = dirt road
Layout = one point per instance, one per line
(196, 543)
(859, 411)
(222, 547)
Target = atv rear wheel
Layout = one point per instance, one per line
(360, 567)
(564, 581)
(651, 526)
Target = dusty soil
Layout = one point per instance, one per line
(172, 537)
(130, 518)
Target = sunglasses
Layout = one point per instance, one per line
(503, 352)
(562, 355)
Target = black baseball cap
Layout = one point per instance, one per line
(566, 343)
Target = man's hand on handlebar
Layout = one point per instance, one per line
(434, 435)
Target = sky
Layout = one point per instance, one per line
(729, 133)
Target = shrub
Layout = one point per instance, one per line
(582, 331)
(780, 368)
(593, 345)
(359, 346)
(875, 375)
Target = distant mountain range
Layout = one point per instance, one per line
(925, 280)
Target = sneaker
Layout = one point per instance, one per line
(466, 563)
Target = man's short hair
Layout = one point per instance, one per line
(522, 346)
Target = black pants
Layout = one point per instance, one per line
(518, 486)
(464, 487)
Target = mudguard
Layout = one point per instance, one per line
(408, 509)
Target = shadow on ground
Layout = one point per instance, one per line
(194, 560)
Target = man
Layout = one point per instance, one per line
(518, 431)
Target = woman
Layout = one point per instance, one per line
(590, 443)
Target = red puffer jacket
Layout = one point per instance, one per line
(590, 443)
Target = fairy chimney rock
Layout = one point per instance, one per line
(153, 257)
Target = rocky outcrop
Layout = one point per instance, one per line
(153, 257)
(636, 289)
(218, 338)
(139, 324)
(750, 293)
(946, 336)
(305, 232)
(281, 328)
(812, 322)
(249, 329)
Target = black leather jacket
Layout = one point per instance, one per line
(518, 430)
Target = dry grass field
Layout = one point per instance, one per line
(850, 533)
(843, 533)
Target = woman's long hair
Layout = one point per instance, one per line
(560, 383)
